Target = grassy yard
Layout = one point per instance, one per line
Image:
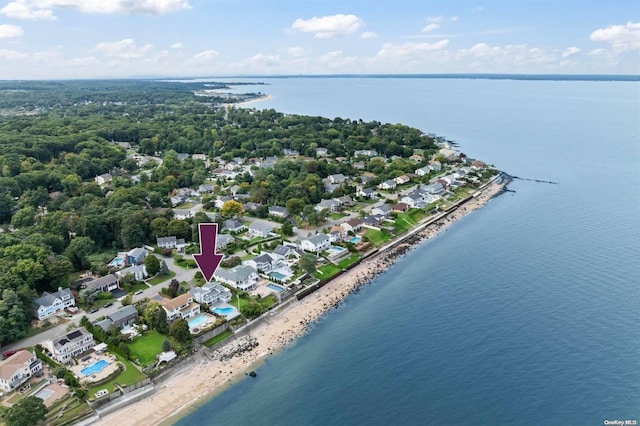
(337, 215)
(146, 347)
(138, 286)
(269, 301)
(326, 271)
(377, 238)
(161, 278)
(349, 261)
(127, 377)
(217, 339)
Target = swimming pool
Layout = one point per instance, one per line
(197, 321)
(223, 311)
(96, 367)
(336, 249)
(275, 287)
(118, 261)
(355, 240)
(278, 276)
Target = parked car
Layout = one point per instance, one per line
(138, 292)
(93, 310)
(106, 305)
(7, 354)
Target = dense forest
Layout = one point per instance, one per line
(57, 136)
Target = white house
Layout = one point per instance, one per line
(242, 277)
(233, 225)
(181, 306)
(139, 272)
(337, 178)
(260, 229)
(50, 303)
(64, 348)
(330, 205)
(278, 211)
(103, 178)
(387, 184)
(316, 244)
(422, 171)
(400, 180)
(17, 369)
(365, 153)
(265, 263)
(366, 192)
(210, 293)
(104, 284)
(352, 225)
(171, 243)
(182, 214)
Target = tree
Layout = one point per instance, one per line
(164, 269)
(78, 250)
(26, 412)
(24, 217)
(231, 208)
(152, 264)
(174, 285)
(179, 330)
(166, 346)
(287, 229)
(252, 309)
(179, 228)
(308, 262)
(295, 205)
(155, 317)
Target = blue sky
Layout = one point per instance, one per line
(123, 38)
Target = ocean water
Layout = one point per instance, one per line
(524, 313)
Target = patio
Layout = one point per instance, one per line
(94, 367)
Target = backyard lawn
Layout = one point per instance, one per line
(127, 377)
(349, 261)
(216, 339)
(146, 347)
(326, 271)
(377, 237)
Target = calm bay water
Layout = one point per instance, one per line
(525, 312)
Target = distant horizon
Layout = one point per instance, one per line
(486, 76)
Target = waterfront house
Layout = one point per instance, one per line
(68, 346)
(242, 277)
(211, 293)
(316, 243)
(17, 369)
(49, 304)
(181, 306)
(400, 207)
(286, 251)
(260, 229)
(123, 317)
(382, 210)
(264, 263)
(352, 225)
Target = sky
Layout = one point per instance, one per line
(68, 39)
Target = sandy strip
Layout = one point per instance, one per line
(249, 102)
(190, 384)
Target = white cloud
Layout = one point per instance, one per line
(10, 31)
(43, 9)
(177, 45)
(206, 56)
(621, 37)
(435, 19)
(570, 51)
(454, 19)
(328, 26)
(263, 60)
(409, 49)
(430, 27)
(296, 51)
(22, 10)
(368, 34)
(123, 49)
(12, 54)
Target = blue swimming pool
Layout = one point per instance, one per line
(278, 276)
(223, 311)
(197, 321)
(94, 368)
(275, 287)
(355, 240)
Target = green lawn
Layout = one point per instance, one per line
(161, 278)
(216, 339)
(146, 347)
(349, 261)
(337, 215)
(129, 376)
(326, 271)
(377, 237)
(269, 301)
(138, 286)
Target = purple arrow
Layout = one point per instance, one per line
(208, 260)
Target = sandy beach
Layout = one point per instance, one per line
(249, 102)
(191, 384)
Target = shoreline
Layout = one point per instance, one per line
(189, 386)
(244, 104)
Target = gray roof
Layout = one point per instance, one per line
(47, 299)
(164, 240)
(137, 252)
(123, 313)
(105, 324)
(232, 224)
(263, 258)
(73, 336)
(102, 281)
(239, 273)
(317, 239)
(261, 226)
(277, 209)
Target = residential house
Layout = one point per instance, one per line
(290, 152)
(387, 184)
(435, 188)
(123, 317)
(330, 205)
(219, 202)
(365, 153)
(346, 201)
(422, 171)
(223, 240)
(242, 277)
(138, 272)
(206, 188)
(268, 163)
(322, 152)
(104, 284)
(171, 243)
(50, 303)
(400, 207)
(233, 225)
(286, 251)
(136, 256)
(260, 229)
(400, 180)
(336, 234)
(182, 214)
(211, 293)
(352, 225)
(17, 369)
(64, 348)
(201, 157)
(477, 165)
(181, 306)
(417, 158)
(103, 179)
(359, 165)
(316, 243)
(251, 206)
(371, 221)
(366, 192)
(264, 263)
(337, 178)
(278, 211)
(436, 166)
(182, 156)
(382, 210)
(414, 199)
